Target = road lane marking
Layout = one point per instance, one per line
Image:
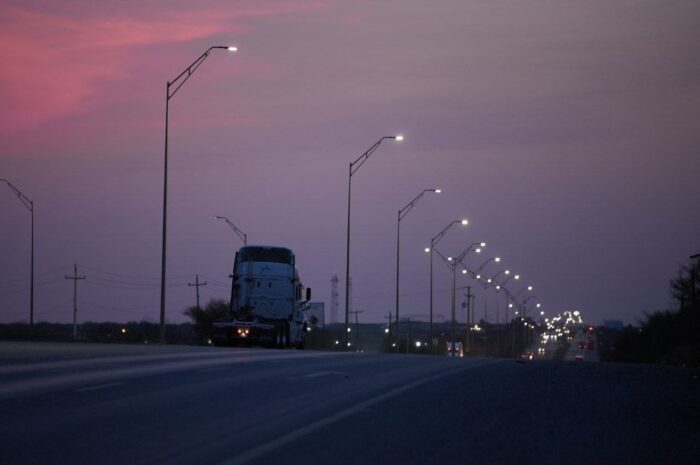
(56, 381)
(100, 386)
(283, 440)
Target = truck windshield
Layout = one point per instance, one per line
(266, 254)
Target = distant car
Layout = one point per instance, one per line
(455, 349)
(581, 345)
(579, 357)
(528, 355)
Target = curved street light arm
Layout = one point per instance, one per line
(404, 211)
(509, 295)
(449, 263)
(526, 288)
(26, 201)
(185, 75)
(507, 280)
(238, 232)
(441, 234)
(452, 262)
(493, 278)
(481, 267)
(365, 156)
(460, 258)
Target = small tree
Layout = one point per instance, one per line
(203, 318)
(685, 288)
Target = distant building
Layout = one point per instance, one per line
(315, 315)
(616, 325)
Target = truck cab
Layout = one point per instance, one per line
(267, 299)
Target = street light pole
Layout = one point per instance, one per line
(241, 235)
(29, 204)
(353, 167)
(402, 213)
(175, 84)
(433, 243)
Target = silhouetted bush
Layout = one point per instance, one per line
(203, 318)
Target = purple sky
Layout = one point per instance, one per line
(566, 132)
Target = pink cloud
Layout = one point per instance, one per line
(52, 61)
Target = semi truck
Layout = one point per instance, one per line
(268, 301)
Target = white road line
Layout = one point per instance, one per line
(53, 381)
(121, 359)
(100, 386)
(269, 446)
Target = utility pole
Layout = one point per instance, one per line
(357, 325)
(391, 337)
(196, 285)
(389, 317)
(468, 338)
(334, 298)
(408, 337)
(75, 279)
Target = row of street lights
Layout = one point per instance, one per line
(486, 282)
(401, 214)
(172, 87)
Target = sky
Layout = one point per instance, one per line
(566, 132)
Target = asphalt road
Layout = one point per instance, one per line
(112, 404)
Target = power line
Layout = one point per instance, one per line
(127, 276)
(23, 289)
(216, 281)
(132, 288)
(134, 309)
(7, 282)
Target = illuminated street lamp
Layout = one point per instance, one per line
(238, 232)
(513, 276)
(171, 89)
(492, 279)
(402, 213)
(526, 288)
(433, 243)
(29, 204)
(478, 271)
(354, 166)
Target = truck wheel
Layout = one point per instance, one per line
(275, 337)
(302, 342)
(284, 339)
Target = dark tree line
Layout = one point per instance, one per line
(669, 336)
